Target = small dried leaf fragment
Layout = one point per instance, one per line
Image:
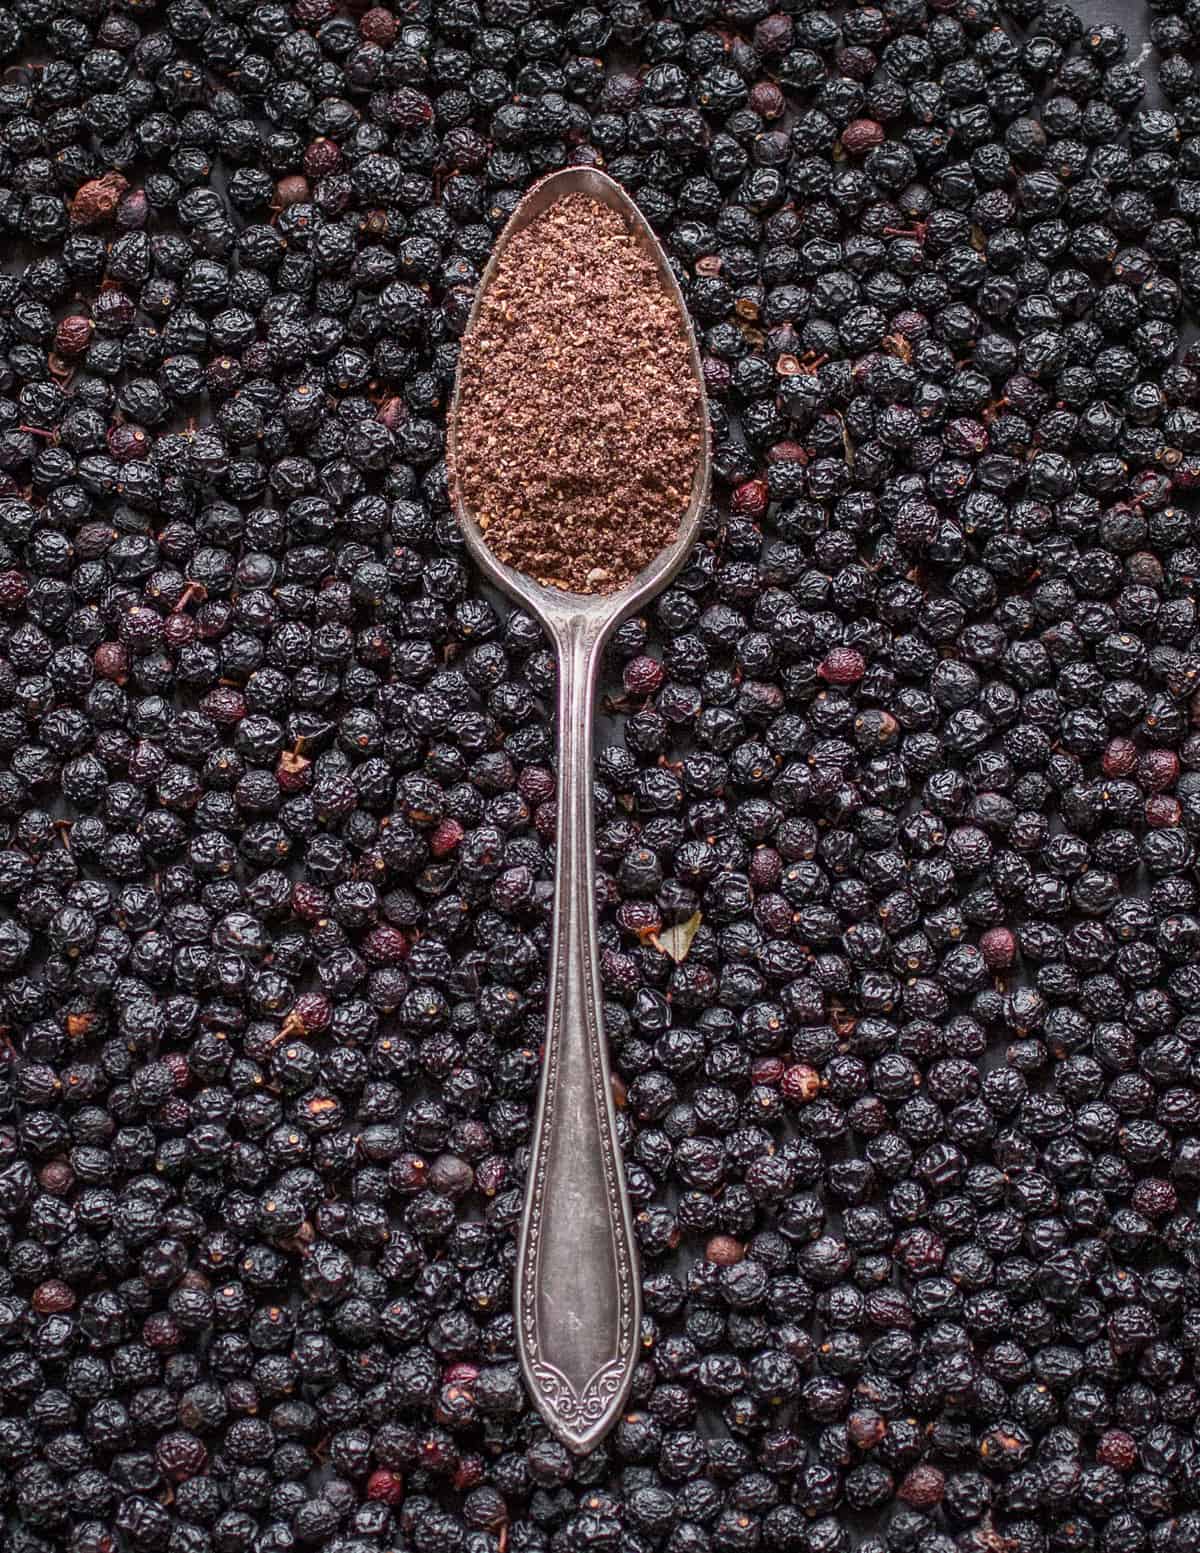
(677, 940)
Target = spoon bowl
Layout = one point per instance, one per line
(577, 1297)
(545, 602)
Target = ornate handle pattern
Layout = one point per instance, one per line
(578, 1307)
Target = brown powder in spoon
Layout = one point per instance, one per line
(579, 420)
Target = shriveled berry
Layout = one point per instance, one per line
(446, 837)
(998, 946)
(1117, 1448)
(378, 26)
(73, 335)
(1163, 810)
(1120, 757)
(724, 1250)
(96, 201)
(1158, 770)
(922, 1487)
(842, 666)
(861, 136)
(386, 1486)
(642, 676)
(800, 1083)
(866, 1429)
(750, 498)
(52, 1297)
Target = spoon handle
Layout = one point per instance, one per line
(577, 1296)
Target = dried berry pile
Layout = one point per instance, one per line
(899, 840)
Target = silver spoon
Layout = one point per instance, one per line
(578, 1302)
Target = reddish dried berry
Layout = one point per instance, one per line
(643, 676)
(408, 109)
(393, 412)
(408, 1173)
(310, 902)
(322, 157)
(774, 35)
(767, 100)
(97, 200)
(451, 1176)
(14, 590)
(470, 1472)
(180, 1455)
(56, 1177)
(460, 1373)
(1120, 757)
(998, 946)
(1163, 810)
(73, 335)
(133, 211)
(911, 325)
(293, 772)
(385, 945)
(292, 190)
(225, 706)
(179, 630)
(1117, 1448)
(766, 867)
(842, 666)
(53, 1297)
(861, 136)
(923, 1487)
(724, 1250)
(385, 1485)
(161, 1332)
(177, 1063)
(536, 784)
(857, 64)
(1154, 1197)
(750, 499)
(378, 26)
(800, 1083)
(639, 917)
(127, 442)
(311, 1013)
(111, 661)
(446, 837)
(490, 1174)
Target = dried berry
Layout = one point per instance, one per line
(97, 200)
(861, 136)
(842, 666)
